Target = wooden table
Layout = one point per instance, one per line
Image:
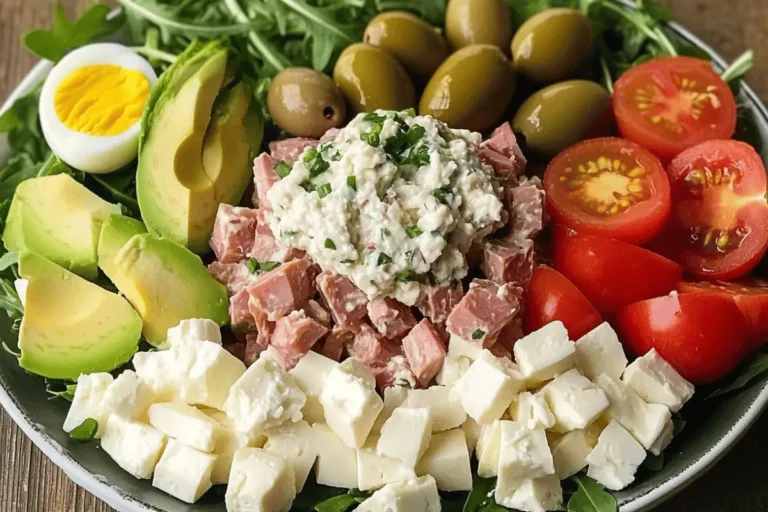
(29, 482)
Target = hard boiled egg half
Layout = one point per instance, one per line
(91, 106)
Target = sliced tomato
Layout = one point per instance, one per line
(610, 273)
(718, 229)
(668, 105)
(702, 335)
(550, 297)
(609, 187)
(751, 297)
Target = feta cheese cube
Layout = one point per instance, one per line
(134, 446)
(394, 397)
(311, 373)
(600, 351)
(523, 455)
(546, 353)
(574, 400)
(488, 387)
(183, 472)
(459, 347)
(453, 368)
(664, 439)
(487, 450)
(405, 435)
(185, 424)
(445, 409)
(350, 402)
(260, 481)
(161, 372)
(532, 411)
(569, 453)
(472, 431)
(294, 442)
(406, 496)
(615, 459)
(657, 382)
(228, 441)
(535, 495)
(336, 464)
(644, 421)
(128, 397)
(447, 461)
(194, 329)
(88, 402)
(375, 470)
(264, 397)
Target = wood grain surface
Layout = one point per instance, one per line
(29, 482)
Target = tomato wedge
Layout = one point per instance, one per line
(751, 297)
(670, 104)
(702, 335)
(609, 187)
(610, 273)
(718, 229)
(550, 297)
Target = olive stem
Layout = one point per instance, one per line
(262, 46)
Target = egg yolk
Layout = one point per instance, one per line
(102, 99)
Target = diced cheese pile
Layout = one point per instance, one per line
(192, 416)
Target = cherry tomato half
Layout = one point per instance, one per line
(702, 335)
(670, 104)
(610, 273)
(550, 297)
(609, 187)
(751, 297)
(718, 229)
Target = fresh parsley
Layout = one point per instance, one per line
(352, 182)
(329, 244)
(478, 334)
(383, 259)
(591, 497)
(413, 231)
(252, 265)
(405, 276)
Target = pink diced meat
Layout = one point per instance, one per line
(345, 300)
(509, 261)
(502, 166)
(284, 289)
(504, 142)
(233, 233)
(369, 347)
(499, 350)
(318, 313)
(484, 311)
(264, 326)
(437, 302)
(254, 345)
(526, 206)
(235, 276)
(510, 334)
(294, 336)
(395, 372)
(239, 312)
(335, 343)
(425, 351)
(390, 317)
(289, 150)
(264, 176)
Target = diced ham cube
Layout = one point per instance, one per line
(239, 312)
(294, 336)
(369, 347)
(318, 313)
(264, 248)
(502, 166)
(509, 261)
(484, 311)
(264, 176)
(235, 276)
(395, 372)
(511, 333)
(264, 326)
(526, 206)
(499, 350)
(504, 142)
(437, 302)
(345, 300)
(289, 150)
(233, 233)
(425, 351)
(336, 341)
(284, 289)
(391, 318)
(254, 345)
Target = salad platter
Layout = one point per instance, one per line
(348, 255)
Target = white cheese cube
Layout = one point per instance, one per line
(569, 453)
(264, 397)
(375, 470)
(185, 424)
(194, 329)
(21, 286)
(535, 495)
(228, 441)
(88, 402)
(260, 481)
(644, 421)
(600, 351)
(545, 354)
(487, 450)
(532, 411)
(472, 431)
(394, 397)
(183, 472)
(574, 400)
(523, 455)
(454, 367)
(310, 373)
(488, 387)
(336, 464)
(447, 461)
(128, 397)
(161, 372)
(446, 411)
(459, 347)
(294, 442)
(664, 439)
(350, 402)
(134, 446)
(419, 494)
(658, 382)
(615, 459)
(405, 435)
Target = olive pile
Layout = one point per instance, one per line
(465, 77)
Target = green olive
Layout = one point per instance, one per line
(470, 90)
(478, 22)
(413, 41)
(373, 79)
(562, 114)
(552, 45)
(305, 102)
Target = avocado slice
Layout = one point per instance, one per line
(115, 233)
(167, 283)
(60, 219)
(72, 326)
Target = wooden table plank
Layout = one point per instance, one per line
(29, 482)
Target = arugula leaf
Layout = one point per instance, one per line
(739, 67)
(591, 497)
(431, 10)
(86, 431)
(68, 393)
(8, 259)
(21, 123)
(481, 488)
(744, 375)
(338, 504)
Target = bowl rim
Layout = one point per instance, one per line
(120, 500)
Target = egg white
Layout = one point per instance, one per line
(91, 153)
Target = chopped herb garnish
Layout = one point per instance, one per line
(336, 156)
(478, 334)
(383, 259)
(329, 244)
(318, 167)
(310, 155)
(86, 431)
(266, 266)
(324, 189)
(373, 117)
(352, 182)
(444, 195)
(417, 155)
(349, 262)
(413, 231)
(253, 265)
(308, 186)
(373, 137)
(261, 266)
(411, 112)
(286, 234)
(283, 169)
(386, 232)
(406, 276)
(414, 135)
